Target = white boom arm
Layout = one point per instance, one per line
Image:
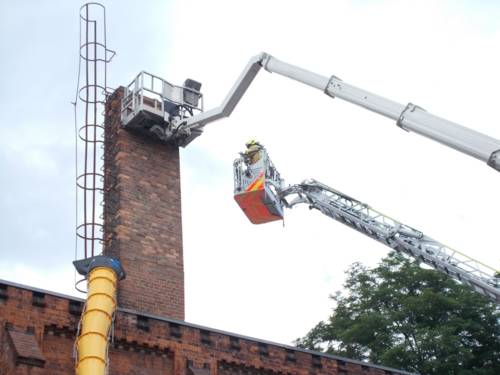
(409, 117)
(396, 235)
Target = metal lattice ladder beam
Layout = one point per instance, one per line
(396, 235)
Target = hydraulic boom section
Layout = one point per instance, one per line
(361, 217)
(175, 114)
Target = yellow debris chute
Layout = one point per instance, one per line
(102, 275)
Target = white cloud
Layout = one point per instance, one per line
(55, 279)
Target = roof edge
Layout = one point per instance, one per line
(214, 330)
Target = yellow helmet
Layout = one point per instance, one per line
(251, 142)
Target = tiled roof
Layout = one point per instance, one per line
(198, 371)
(26, 348)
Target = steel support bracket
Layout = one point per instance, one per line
(84, 266)
(410, 107)
(264, 59)
(494, 160)
(330, 82)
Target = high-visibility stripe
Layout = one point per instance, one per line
(251, 186)
(257, 184)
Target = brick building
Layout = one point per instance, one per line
(143, 230)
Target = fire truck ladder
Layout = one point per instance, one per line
(394, 234)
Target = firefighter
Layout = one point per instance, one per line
(253, 152)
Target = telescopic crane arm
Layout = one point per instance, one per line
(409, 117)
(394, 234)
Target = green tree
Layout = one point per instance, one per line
(404, 316)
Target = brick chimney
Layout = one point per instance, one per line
(142, 216)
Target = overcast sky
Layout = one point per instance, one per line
(269, 281)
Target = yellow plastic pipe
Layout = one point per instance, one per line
(92, 344)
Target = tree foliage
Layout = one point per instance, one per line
(404, 316)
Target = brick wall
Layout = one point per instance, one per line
(151, 345)
(143, 217)
(7, 359)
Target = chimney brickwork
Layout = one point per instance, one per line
(142, 217)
